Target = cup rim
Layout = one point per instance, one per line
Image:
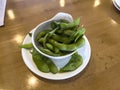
(37, 28)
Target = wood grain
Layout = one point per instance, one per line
(102, 23)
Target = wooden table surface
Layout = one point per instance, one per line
(102, 22)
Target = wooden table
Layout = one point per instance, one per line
(102, 22)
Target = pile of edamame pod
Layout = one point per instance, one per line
(62, 38)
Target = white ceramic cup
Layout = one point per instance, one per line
(45, 25)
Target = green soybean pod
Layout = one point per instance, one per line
(39, 61)
(26, 46)
(53, 68)
(68, 47)
(41, 40)
(68, 32)
(70, 25)
(56, 23)
(69, 35)
(49, 46)
(52, 48)
(49, 52)
(43, 63)
(48, 35)
(42, 33)
(80, 33)
(73, 64)
(62, 39)
(56, 50)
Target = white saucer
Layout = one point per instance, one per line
(85, 52)
(117, 4)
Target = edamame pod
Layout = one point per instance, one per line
(44, 64)
(56, 50)
(68, 32)
(62, 39)
(70, 25)
(48, 35)
(79, 33)
(49, 46)
(65, 39)
(26, 46)
(55, 23)
(47, 51)
(53, 68)
(73, 64)
(41, 34)
(52, 48)
(41, 40)
(68, 47)
(40, 63)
